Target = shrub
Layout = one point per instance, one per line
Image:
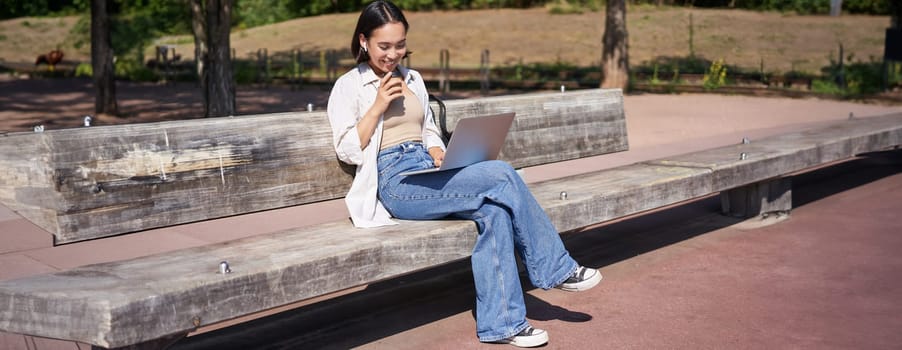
(716, 76)
(134, 70)
(864, 78)
(244, 71)
(826, 87)
(84, 70)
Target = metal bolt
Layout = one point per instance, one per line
(224, 267)
(745, 141)
(309, 107)
(743, 156)
(87, 120)
(563, 195)
(38, 128)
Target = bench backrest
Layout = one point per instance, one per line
(88, 183)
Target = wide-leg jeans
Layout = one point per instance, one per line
(509, 221)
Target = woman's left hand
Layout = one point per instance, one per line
(438, 155)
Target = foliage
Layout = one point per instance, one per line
(798, 6)
(19, 8)
(172, 15)
(84, 70)
(858, 77)
(134, 70)
(244, 71)
(822, 86)
(687, 65)
(252, 13)
(716, 76)
(867, 6)
(873, 7)
(674, 76)
(544, 71)
(564, 7)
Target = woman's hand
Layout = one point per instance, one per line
(438, 155)
(390, 89)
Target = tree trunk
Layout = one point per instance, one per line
(895, 10)
(614, 56)
(835, 7)
(219, 91)
(199, 28)
(102, 60)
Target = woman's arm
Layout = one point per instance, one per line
(343, 113)
(431, 135)
(389, 90)
(351, 132)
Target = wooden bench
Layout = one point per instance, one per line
(155, 300)
(90, 183)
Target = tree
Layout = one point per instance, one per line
(102, 60)
(895, 11)
(211, 25)
(614, 55)
(199, 29)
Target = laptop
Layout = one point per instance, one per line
(474, 140)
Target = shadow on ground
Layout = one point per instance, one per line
(64, 102)
(400, 304)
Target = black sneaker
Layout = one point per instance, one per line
(527, 338)
(583, 278)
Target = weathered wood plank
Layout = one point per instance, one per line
(137, 300)
(121, 179)
(601, 196)
(95, 182)
(556, 127)
(133, 301)
(784, 154)
(25, 178)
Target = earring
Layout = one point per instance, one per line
(364, 48)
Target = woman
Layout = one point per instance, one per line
(382, 124)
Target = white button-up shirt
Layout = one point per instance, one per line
(351, 97)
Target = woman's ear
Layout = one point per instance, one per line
(362, 42)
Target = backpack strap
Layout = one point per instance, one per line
(442, 119)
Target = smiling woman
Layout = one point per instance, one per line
(381, 123)
(382, 29)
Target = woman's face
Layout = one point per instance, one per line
(386, 46)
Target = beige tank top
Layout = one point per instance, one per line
(402, 121)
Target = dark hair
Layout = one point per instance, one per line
(375, 15)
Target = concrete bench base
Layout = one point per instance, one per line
(772, 197)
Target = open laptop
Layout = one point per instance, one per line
(474, 140)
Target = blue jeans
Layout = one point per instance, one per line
(508, 218)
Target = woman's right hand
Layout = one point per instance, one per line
(390, 89)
